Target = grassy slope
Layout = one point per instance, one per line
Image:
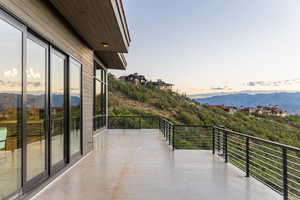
(128, 99)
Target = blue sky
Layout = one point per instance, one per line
(208, 46)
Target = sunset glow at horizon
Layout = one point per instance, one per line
(216, 46)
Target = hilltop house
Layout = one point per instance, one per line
(138, 79)
(271, 110)
(249, 110)
(135, 78)
(266, 110)
(162, 85)
(229, 109)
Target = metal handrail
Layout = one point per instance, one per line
(258, 139)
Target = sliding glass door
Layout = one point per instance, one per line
(40, 108)
(36, 110)
(58, 99)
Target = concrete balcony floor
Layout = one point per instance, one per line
(138, 165)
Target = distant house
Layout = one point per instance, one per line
(266, 110)
(229, 109)
(162, 85)
(249, 110)
(135, 78)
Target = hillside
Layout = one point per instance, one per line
(287, 101)
(128, 99)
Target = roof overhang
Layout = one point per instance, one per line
(112, 60)
(99, 22)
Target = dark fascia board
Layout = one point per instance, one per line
(120, 10)
(112, 60)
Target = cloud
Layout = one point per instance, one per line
(221, 88)
(12, 84)
(31, 74)
(273, 83)
(34, 84)
(11, 73)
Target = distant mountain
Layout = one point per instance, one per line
(287, 101)
(10, 99)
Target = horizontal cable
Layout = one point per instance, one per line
(252, 143)
(294, 195)
(270, 170)
(262, 179)
(293, 163)
(266, 173)
(291, 168)
(264, 152)
(293, 188)
(236, 158)
(294, 176)
(263, 158)
(294, 182)
(236, 151)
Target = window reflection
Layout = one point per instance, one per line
(36, 102)
(57, 106)
(10, 108)
(75, 119)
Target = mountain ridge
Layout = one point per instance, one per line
(286, 100)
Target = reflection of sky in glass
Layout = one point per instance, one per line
(11, 54)
(57, 74)
(74, 78)
(36, 65)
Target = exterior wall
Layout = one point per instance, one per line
(38, 16)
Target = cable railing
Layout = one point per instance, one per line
(133, 122)
(167, 129)
(99, 122)
(192, 137)
(274, 164)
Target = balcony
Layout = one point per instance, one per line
(134, 164)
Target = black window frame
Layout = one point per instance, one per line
(100, 120)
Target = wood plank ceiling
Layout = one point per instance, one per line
(98, 22)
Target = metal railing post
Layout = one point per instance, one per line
(170, 134)
(213, 140)
(140, 122)
(173, 137)
(285, 174)
(247, 158)
(165, 129)
(218, 140)
(225, 146)
(168, 131)
(167, 135)
(159, 126)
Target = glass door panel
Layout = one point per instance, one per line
(57, 95)
(10, 108)
(75, 107)
(36, 109)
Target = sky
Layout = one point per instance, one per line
(212, 46)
